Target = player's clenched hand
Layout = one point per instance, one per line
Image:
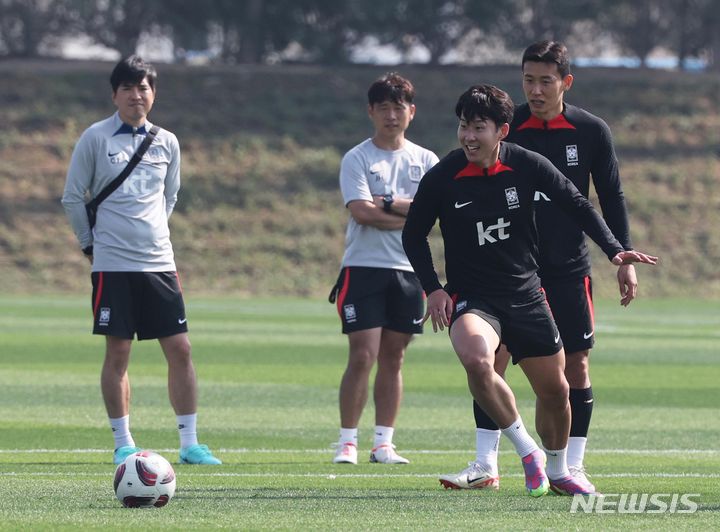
(627, 281)
(628, 257)
(439, 309)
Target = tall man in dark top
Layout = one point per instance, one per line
(483, 195)
(580, 146)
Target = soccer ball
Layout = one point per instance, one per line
(145, 479)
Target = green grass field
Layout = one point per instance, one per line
(269, 371)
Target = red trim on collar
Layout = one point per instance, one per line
(473, 170)
(559, 122)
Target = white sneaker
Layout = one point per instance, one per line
(385, 454)
(346, 453)
(475, 476)
(579, 474)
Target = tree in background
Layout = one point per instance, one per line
(27, 24)
(118, 24)
(696, 30)
(261, 31)
(520, 22)
(638, 26)
(435, 24)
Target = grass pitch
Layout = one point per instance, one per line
(269, 372)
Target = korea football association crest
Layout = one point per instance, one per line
(350, 314)
(511, 196)
(104, 317)
(154, 154)
(571, 154)
(416, 173)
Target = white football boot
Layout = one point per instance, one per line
(385, 454)
(473, 477)
(346, 453)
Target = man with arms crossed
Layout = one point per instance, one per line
(580, 145)
(483, 196)
(135, 284)
(379, 299)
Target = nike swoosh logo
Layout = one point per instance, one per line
(418, 321)
(557, 338)
(588, 335)
(181, 321)
(471, 480)
(113, 154)
(461, 205)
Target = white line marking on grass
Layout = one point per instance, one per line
(333, 476)
(323, 451)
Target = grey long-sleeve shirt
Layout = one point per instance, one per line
(131, 232)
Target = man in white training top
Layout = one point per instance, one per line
(379, 298)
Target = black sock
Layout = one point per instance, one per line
(581, 406)
(482, 420)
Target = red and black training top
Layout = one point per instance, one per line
(486, 219)
(580, 145)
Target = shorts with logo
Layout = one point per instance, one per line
(527, 327)
(572, 307)
(149, 304)
(380, 297)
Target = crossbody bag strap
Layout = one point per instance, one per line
(136, 158)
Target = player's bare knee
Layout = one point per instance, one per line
(391, 361)
(577, 369)
(479, 368)
(554, 394)
(361, 360)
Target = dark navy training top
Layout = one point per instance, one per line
(487, 222)
(580, 145)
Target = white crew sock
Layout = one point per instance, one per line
(121, 431)
(576, 451)
(486, 448)
(556, 467)
(349, 436)
(187, 427)
(383, 436)
(518, 435)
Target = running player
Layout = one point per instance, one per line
(135, 284)
(483, 195)
(379, 299)
(580, 146)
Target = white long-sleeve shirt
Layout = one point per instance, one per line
(131, 232)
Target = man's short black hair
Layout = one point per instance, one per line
(553, 52)
(132, 70)
(485, 102)
(392, 87)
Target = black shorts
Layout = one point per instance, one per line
(147, 303)
(527, 328)
(380, 297)
(572, 307)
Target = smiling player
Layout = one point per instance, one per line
(483, 195)
(580, 145)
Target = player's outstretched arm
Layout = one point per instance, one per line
(629, 257)
(626, 273)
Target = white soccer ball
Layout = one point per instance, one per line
(145, 479)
